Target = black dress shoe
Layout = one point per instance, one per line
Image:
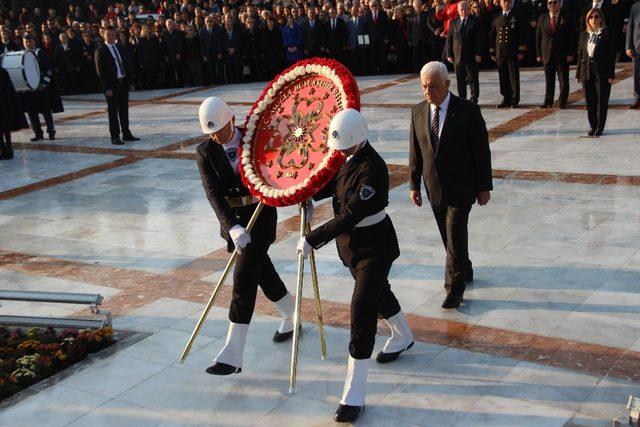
(635, 106)
(52, 136)
(390, 357)
(129, 137)
(222, 369)
(452, 301)
(347, 414)
(563, 105)
(469, 277)
(116, 141)
(282, 337)
(545, 105)
(591, 132)
(598, 132)
(36, 138)
(514, 105)
(503, 104)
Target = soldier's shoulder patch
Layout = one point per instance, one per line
(366, 192)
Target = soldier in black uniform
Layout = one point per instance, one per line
(11, 115)
(233, 204)
(367, 245)
(506, 48)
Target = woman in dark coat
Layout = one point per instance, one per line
(271, 48)
(292, 40)
(11, 115)
(193, 55)
(596, 69)
(251, 53)
(129, 51)
(149, 57)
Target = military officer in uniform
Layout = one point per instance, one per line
(367, 245)
(507, 47)
(233, 204)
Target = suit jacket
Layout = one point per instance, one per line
(379, 29)
(335, 39)
(107, 68)
(233, 42)
(211, 43)
(556, 45)
(462, 168)
(219, 182)
(312, 38)
(633, 31)
(464, 43)
(602, 65)
(173, 44)
(359, 189)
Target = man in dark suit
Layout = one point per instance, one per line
(211, 45)
(312, 35)
(335, 37)
(506, 47)
(173, 44)
(633, 50)
(114, 74)
(233, 204)
(379, 36)
(449, 150)
(464, 51)
(555, 47)
(232, 51)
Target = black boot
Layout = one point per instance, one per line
(38, 137)
(222, 369)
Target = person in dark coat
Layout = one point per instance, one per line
(555, 47)
(367, 245)
(11, 115)
(115, 75)
(232, 51)
(251, 54)
(596, 69)
(128, 52)
(211, 44)
(149, 57)
(378, 23)
(436, 28)
(89, 77)
(173, 43)
(292, 40)
(193, 56)
(45, 100)
(335, 37)
(66, 64)
(312, 33)
(464, 51)
(272, 48)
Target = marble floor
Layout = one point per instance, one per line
(549, 333)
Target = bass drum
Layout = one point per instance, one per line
(23, 70)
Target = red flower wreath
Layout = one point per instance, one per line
(282, 149)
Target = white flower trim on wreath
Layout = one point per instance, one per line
(263, 105)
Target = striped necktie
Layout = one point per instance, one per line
(435, 130)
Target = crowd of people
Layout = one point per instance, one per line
(194, 42)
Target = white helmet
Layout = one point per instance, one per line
(214, 114)
(347, 129)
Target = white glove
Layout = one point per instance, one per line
(240, 237)
(309, 204)
(304, 247)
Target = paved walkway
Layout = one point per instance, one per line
(549, 333)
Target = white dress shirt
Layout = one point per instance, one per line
(442, 113)
(116, 55)
(591, 43)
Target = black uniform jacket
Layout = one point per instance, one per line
(462, 167)
(11, 114)
(506, 37)
(603, 63)
(47, 96)
(219, 181)
(359, 189)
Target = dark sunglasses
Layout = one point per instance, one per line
(595, 17)
(552, 2)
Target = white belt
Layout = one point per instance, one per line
(373, 219)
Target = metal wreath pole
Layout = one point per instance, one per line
(216, 290)
(316, 297)
(298, 307)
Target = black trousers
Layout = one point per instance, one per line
(372, 297)
(552, 68)
(597, 93)
(636, 76)
(452, 223)
(118, 108)
(253, 268)
(509, 75)
(34, 119)
(175, 74)
(467, 73)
